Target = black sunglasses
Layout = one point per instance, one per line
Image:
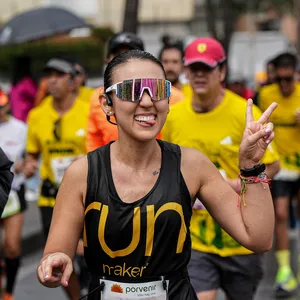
(284, 78)
(57, 129)
(195, 67)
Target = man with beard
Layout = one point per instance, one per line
(171, 56)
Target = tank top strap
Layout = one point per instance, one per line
(172, 171)
(97, 174)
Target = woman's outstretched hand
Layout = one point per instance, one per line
(55, 270)
(257, 136)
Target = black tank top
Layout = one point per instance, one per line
(147, 238)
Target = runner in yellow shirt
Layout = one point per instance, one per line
(212, 121)
(286, 92)
(57, 135)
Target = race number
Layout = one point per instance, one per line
(12, 206)
(131, 291)
(59, 167)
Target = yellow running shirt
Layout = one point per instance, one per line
(60, 140)
(187, 91)
(287, 134)
(217, 134)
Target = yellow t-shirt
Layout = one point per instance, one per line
(287, 134)
(187, 91)
(218, 134)
(59, 140)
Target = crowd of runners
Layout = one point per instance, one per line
(165, 183)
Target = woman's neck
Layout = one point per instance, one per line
(134, 154)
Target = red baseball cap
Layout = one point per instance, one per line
(204, 50)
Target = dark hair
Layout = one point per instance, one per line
(124, 58)
(286, 59)
(175, 46)
(270, 62)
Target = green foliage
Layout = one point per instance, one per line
(103, 33)
(90, 51)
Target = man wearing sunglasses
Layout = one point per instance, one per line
(56, 134)
(212, 121)
(286, 92)
(100, 131)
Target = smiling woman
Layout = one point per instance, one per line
(133, 85)
(136, 219)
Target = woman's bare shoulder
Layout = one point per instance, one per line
(191, 157)
(76, 174)
(194, 167)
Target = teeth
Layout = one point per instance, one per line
(144, 118)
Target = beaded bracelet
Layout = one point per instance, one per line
(261, 178)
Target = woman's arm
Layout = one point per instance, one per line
(66, 227)
(252, 226)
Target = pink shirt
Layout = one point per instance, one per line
(22, 97)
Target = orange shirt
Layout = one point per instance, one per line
(100, 131)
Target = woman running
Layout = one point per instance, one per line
(12, 141)
(134, 197)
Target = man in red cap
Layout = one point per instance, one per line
(212, 120)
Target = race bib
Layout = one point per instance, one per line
(12, 206)
(130, 291)
(59, 167)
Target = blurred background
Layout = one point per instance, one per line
(251, 31)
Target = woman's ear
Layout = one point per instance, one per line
(106, 104)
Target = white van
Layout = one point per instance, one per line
(249, 52)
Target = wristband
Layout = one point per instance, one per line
(255, 171)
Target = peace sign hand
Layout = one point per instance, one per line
(257, 136)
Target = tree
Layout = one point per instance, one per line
(230, 9)
(227, 11)
(130, 22)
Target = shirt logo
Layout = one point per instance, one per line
(201, 47)
(151, 216)
(80, 132)
(226, 141)
(116, 289)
